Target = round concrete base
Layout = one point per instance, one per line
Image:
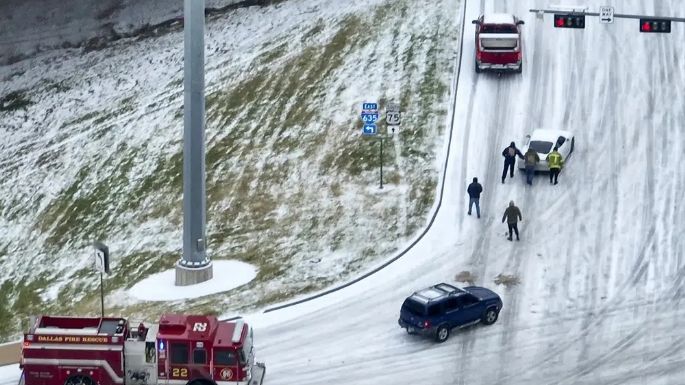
(186, 276)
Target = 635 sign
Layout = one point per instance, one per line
(370, 117)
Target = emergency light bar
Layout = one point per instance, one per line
(238, 331)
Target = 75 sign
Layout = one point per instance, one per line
(393, 118)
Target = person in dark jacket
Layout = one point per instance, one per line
(474, 190)
(509, 155)
(512, 214)
(532, 160)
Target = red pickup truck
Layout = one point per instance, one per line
(498, 43)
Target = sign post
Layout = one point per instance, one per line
(101, 265)
(370, 116)
(380, 161)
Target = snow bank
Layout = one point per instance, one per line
(161, 287)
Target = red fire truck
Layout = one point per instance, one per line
(180, 350)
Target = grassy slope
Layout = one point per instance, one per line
(291, 185)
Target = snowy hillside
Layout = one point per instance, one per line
(593, 292)
(92, 150)
(28, 26)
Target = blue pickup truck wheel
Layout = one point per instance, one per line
(490, 316)
(442, 334)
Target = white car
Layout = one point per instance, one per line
(543, 141)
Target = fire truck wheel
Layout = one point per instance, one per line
(199, 382)
(79, 380)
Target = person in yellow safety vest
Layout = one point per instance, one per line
(555, 162)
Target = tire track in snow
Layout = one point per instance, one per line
(593, 279)
(640, 266)
(648, 214)
(517, 251)
(541, 84)
(645, 313)
(591, 320)
(468, 337)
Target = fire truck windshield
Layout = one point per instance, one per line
(225, 357)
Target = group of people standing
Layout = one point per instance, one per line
(554, 161)
(512, 214)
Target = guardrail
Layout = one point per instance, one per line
(10, 353)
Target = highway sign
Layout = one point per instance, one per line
(392, 130)
(369, 117)
(369, 106)
(393, 118)
(369, 129)
(606, 14)
(392, 114)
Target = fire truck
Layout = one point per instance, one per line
(179, 350)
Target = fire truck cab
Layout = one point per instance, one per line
(180, 350)
(498, 43)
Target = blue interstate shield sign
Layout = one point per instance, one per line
(370, 117)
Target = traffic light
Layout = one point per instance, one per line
(569, 20)
(655, 25)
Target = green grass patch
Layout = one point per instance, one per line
(273, 54)
(19, 299)
(14, 100)
(79, 214)
(317, 29)
(57, 87)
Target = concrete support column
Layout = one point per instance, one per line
(194, 265)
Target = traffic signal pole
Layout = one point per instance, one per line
(616, 15)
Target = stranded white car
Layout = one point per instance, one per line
(543, 141)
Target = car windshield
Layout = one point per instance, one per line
(413, 307)
(540, 146)
(498, 28)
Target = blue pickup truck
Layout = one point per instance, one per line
(436, 310)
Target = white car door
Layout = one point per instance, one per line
(565, 147)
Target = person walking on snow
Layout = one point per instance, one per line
(509, 155)
(474, 191)
(512, 214)
(555, 162)
(532, 160)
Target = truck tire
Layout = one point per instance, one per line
(478, 70)
(443, 333)
(490, 316)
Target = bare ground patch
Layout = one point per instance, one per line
(466, 277)
(507, 280)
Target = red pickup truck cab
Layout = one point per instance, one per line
(498, 43)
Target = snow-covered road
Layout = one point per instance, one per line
(600, 262)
